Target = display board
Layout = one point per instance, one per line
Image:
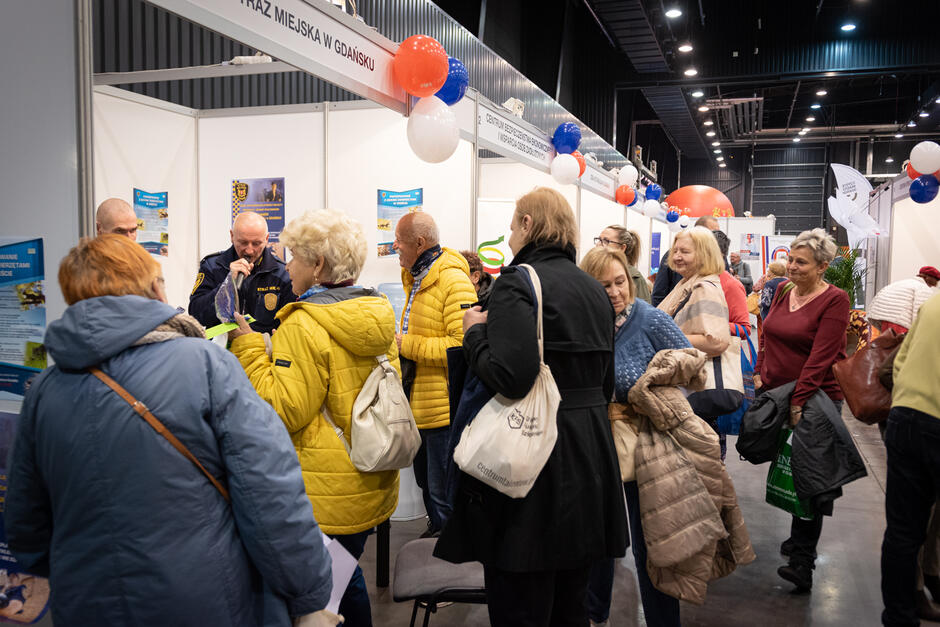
(141, 144)
(737, 230)
(915, 240)
(643, 226)
(665, 241)
(597, 213)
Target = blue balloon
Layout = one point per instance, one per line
(672, 216)
(456, 84)
(636, 197)
(567, 138)
(653, 192)
(924, 188)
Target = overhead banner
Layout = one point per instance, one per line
(315, 37)
(22, 315)
(599, 181)
(153, 221)
(501, 134)
(391, 207)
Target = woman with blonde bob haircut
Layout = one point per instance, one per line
(143, 510)
(322, 353)
(525, 560)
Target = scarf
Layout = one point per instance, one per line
(705, 311)
(425, 260)
(322, 287)
(180, 325)
(622, 317)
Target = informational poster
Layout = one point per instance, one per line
(493, 218)
(266, 198)
(655, 252)
(750, 246)
(391, 207)
(24, 598)
(153, 221)
(22, 314)
(775, 248)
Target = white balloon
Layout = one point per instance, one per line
(683, 221)
(925, 157)
(628, 176)
(432, 130)
(651, 208)
(565, 169)
(674, 227)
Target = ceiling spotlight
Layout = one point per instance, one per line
(796, 140)
(703, 108)
(685, 48)
(889, 160)
(811, 119)
(722, 165)
(708, 122)
(716, 143)
(804, 132)
(898, 135)
(821, 92)
(815, 105)
(912, 124)
(924, 114)
(848, 27)
(717, 151)
(807, 130)
(673, 13)
(691, 72)
(698, 93)
(710, 134)
(720, 158)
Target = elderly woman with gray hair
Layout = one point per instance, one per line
(321, 355)
(804, 335)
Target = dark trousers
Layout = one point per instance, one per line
(355, 606)
(913, 442)
(556, 598)
(430, 466)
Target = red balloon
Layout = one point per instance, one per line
(420, 66)
(911, 172)
(581, 164)
(696, 201)
(625, 194)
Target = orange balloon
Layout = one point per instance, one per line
(625, 194)
(696, 201)
(420, 66)
(581, 164)
(911, 172)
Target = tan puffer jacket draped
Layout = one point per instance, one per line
(693, 527)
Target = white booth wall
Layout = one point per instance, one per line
(643, 226)
(503, 178)
(144, 143)
(915, 237)
(597, 213)
(665, 241)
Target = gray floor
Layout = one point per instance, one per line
(846, 584)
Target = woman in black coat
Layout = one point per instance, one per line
(537, 551)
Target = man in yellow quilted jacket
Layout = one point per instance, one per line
(437, 285)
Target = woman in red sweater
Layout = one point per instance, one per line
(804, 334)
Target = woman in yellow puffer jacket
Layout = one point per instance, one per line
(320, 357)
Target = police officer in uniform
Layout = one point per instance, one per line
(266, 286)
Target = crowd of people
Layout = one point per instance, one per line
(129, 532)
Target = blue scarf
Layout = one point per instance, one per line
(425, 260)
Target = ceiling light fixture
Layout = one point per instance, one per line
(821, 92)
(889, 160)
(912, 124)
(710, 134)
(722, 165)
(698, 93)
(807, 130)
(803, 132)
(898, 135)
(708, 122)
(924, 114)
(673, 13)
(717, 151)
(811, 119)
(685, 48)
(703, 108)
(815, 105)
(691, 72)
(720, 158)
(848, 27)
(796, 140)
(716, 143)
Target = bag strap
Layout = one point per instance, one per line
(382, 362)
(781, 291)
(537, 288)
(158, 426)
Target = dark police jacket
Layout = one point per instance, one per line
(262, 293)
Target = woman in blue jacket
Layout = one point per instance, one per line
(640, 331)
(128, 530)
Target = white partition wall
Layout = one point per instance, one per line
(665, 241)
(241, 146)
(597, 213)
(915, 238)
(147, 144)
(738, 228)
(369, 151)
(503, 178)
(638, 222)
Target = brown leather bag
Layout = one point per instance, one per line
(868, 399)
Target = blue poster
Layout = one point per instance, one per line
(263, 196)
(22, 314)
(24, 598)
(153, 221)
(655, 255)
(391, 207)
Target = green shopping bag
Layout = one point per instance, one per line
(780, 490)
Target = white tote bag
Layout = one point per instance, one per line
(509, 441)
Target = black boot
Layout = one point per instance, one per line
(799, 575)
(925, 609)
(932, 583)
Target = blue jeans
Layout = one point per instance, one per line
(913, 442)
(430, 466)
(661, 610)
(355, 606)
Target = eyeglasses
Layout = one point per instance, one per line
(602, 241)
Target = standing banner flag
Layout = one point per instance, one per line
(153, 221)
(391, 207)
(849, 205)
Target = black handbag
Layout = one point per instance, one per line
(408, 370)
